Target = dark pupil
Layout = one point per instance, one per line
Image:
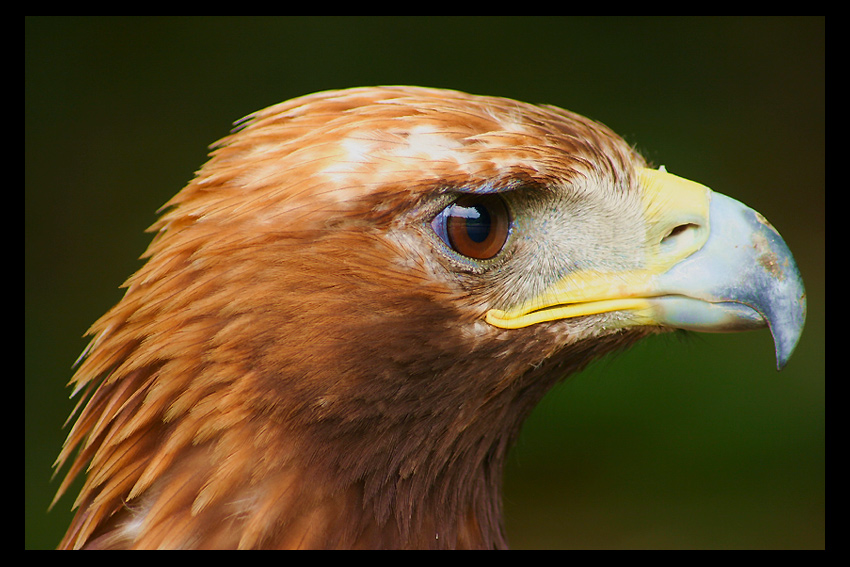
(477, 223)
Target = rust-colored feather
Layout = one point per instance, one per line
(292, 368)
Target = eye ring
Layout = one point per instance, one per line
(475, 226)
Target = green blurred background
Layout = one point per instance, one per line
(695, 443)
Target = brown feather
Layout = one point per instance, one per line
(293, 368)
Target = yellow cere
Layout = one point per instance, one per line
(676, 213)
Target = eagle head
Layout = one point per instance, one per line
(344, 318)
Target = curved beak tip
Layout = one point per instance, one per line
(777, 289)
(786, 327)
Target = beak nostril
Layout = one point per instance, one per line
(679, 233)
(680, 229)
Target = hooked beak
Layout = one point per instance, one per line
(713, 265)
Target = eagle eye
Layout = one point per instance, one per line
(475, 226)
